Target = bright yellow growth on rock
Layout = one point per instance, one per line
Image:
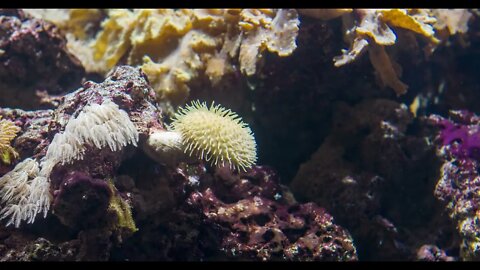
(8, 131)
(417, 21)
(123, 212)
(216, 135)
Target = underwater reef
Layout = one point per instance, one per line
(239, 135)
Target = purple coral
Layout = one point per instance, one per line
(462, 137)
(459, 183)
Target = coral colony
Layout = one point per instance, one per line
(239, 134)
(8, 132)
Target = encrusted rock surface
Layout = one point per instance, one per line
(223, 215)
(370, 174)
(458, 184)
(34, 61)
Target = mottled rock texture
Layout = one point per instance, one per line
(372, 173)
(458, 183)
(34, 61)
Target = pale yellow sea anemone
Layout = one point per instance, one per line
(216, 135)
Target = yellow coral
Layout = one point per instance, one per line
(276, 34)
(370, 29)
(176, 46)
(78, 22)
(113, 43)
(8, 131)
(216, 135)
(414, 20)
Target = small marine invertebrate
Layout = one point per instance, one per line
(24, 193)
(165, 147)
(216, 135)
(8, 131)
(97, 124)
